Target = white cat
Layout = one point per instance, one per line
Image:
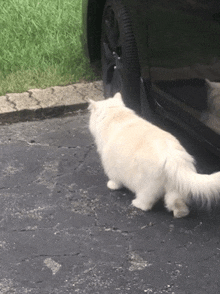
(147, 160)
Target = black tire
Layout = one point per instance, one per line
(120, 64)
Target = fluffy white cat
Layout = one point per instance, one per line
(147, 160)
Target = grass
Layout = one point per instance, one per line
(40, 44)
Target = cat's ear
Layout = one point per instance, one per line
(208, 83)
(118, 96)
(92, 104)
(212, 85)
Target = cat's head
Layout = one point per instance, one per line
(213, 88)
(213, 96)
(110, 102)
(99, 110)
(213, 85)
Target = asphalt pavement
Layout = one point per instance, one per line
(63, 231)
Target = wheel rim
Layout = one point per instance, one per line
(111, 53)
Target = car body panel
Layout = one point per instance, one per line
(178, 47)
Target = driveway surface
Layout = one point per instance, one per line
(62, 231)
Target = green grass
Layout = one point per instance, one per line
(40, 44)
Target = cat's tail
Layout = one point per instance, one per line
(181, 174)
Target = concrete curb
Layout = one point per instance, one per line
(53, 101)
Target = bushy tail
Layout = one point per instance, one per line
(181, 174)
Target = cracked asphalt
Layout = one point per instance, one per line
(63, 231)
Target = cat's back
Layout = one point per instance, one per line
(129, 132)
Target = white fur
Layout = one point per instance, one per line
(147, 160)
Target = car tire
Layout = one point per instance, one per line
(119, 55)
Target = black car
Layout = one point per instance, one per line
(161, 55)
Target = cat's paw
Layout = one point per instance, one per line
(113, 185)
(141, 205)
(178, 213)
(179, 208)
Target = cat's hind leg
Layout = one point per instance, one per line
(113, 185)
(146, 198)
(174, 202)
